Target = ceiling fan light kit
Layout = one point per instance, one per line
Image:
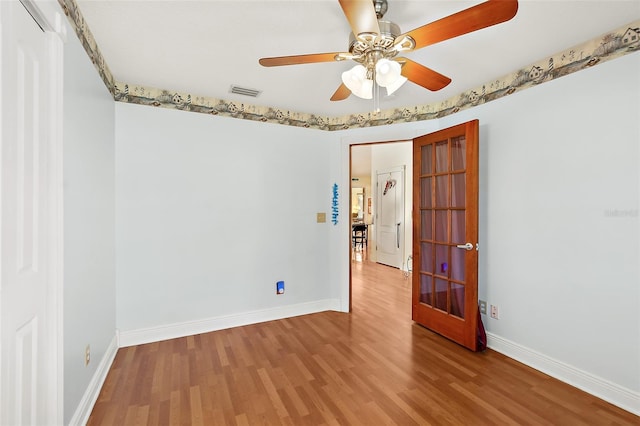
(356, 80)
(392, 87)
(359, 80)
(375, 43)
(388, 73)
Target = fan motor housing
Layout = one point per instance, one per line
(388, 33)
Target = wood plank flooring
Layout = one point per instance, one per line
(371, 367)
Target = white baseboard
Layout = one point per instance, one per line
(82, 413)
(617, 395)
(189, 328)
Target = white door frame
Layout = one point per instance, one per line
(51, 19)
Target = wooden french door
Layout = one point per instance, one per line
(445, 232)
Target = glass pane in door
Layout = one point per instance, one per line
(427, 160)
(426, 289)
(440, 296)
(441, 226)
(457, 300)
(457, 226)
(457, 264)
(441, 157)
(426, 217)
(442, 191)
(457, 190)
(426, 257)
(458, 154)
(425, 193)
(442, 260)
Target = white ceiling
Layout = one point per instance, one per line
(202, 47)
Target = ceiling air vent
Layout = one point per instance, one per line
(244, 91)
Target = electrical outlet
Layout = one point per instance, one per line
(494, 312)
(483, 306)
(87, 355)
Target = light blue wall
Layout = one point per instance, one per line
(556, 161)
(212, 212)
(89, 222)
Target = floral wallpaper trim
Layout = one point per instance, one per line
(83, 32)
(612, 45)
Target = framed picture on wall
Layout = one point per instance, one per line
(369, 205)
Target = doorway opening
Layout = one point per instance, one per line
(372, 239)
(442, 184)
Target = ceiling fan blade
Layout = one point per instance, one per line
(475, 18)
(302, 59)
(362, 18)
(341, 94)
(423, 76)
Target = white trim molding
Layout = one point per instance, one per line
(189, 328)
(622, 397)
(56, 40)
(82, 413)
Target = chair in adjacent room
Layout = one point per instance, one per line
(359, 235)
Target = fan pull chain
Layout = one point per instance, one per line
(376, 96)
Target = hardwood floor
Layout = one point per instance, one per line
(371, 367)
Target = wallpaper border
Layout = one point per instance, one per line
(616, 43)
(75, 18)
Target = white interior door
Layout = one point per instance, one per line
(390, 216)
(28, 321)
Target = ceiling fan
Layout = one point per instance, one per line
(375, 44)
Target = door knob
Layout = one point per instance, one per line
(467, 246)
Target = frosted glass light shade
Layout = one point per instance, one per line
(396, 85)
(356, 80)
(366, 91)
(387, 72)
